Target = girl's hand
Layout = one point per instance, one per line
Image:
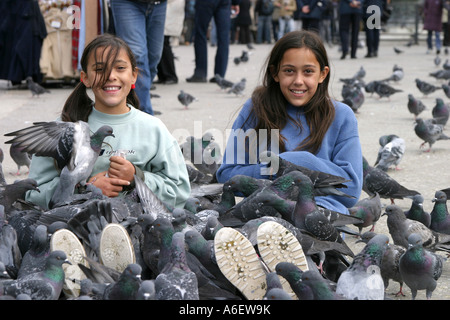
(121, 168)
(111, 187)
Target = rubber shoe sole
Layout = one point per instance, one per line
(239, 263)
(65, 240)
(277, 244)
(116, 249)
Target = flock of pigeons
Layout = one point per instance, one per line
(246, 239)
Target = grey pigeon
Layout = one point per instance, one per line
(420, 269)
(440, 218)
(362, 280)
(34, 259)
(186, 98)
(400, 228)
(238, 87)
(203, 153)
(415, 106)
(177, 281)
(35, 88)
(21, 158)
(437, 60)
(12, 192)
(293, 275)
(378, 181)
(441, 74)
(369, 210)
(146, 290)
(70, 144)
(244, 56)
(446, 65)
(391, 151)
(397, 74)
(10, 254)
(441, 112)
(222, 82)
(397, 50)
(370, 86)
(383, 89)
(390, 262)
(417, 212)
(44, 285)
(320, 287)
(446, 89)
(353, 96)
(429, 132)
(425, 87)
(127, 286)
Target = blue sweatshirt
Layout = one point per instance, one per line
(149, 146)
(340, 153)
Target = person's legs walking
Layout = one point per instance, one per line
(222, 19)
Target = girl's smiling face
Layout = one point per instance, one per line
(299, 75)
(110, 97)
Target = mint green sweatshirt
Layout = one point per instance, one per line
(149, 146)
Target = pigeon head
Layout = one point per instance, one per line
(415, 240)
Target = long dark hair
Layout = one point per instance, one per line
(269, 104)
(78, 105)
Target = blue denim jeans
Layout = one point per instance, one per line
(263, 32)
(141, 25)
(205, 10)
(437, 35)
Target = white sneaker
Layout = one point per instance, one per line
(67, 241)
(116, 249)
(240, 264)
(277, 244)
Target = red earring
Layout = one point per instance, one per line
(81, 80)
(133, 86)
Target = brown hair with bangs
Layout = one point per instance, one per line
(269, 104)
(78, 105)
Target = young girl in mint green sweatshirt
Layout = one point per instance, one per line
(150, 151)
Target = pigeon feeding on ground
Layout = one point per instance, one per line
(378, 181)
(385, 90)
(369, 210)
(222, 82)
(441, 112)
(397, 50)
(20, 157)
(185, 98)
(430, 132)
(362, 280)
(415, 106)
(440, 218)
(391, 151)
(238, 87)
(425, 87)
(397, 74)
(420, 269)
(35, 88)
(70, 144)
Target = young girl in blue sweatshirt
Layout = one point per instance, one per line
(150, 151)
(313, 130)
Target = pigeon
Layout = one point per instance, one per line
(400, 228)
(369, 210)
(44, 285)
(397, 50)
(244, 56)
(430, 132)
(362, 280)
(21, 158)
(127, 286)
(222, 82)
(420, 269)
(10, 254)
(203, 153)
(34, 259)
(440, 219)
(277, 294)
(385, 90)
(238, 87)
(353, 96)
(415, 106)
(293, 275)
(446, 89)
(389, 263)
(320, 287)
(70, 144)
(446, 65)
(440, 112)
(392, 149)
(378, 181)
(2, 174)
(12, 192)
(146, 291)
(397, 74)
(35, 88)
(177, 281)
(441, 74)
(425, 87)
(437, 60)
(416, 211)
(185, 98)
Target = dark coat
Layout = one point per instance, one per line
(244, 18)
(344, 7)
(316, 8)
(432, 15)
